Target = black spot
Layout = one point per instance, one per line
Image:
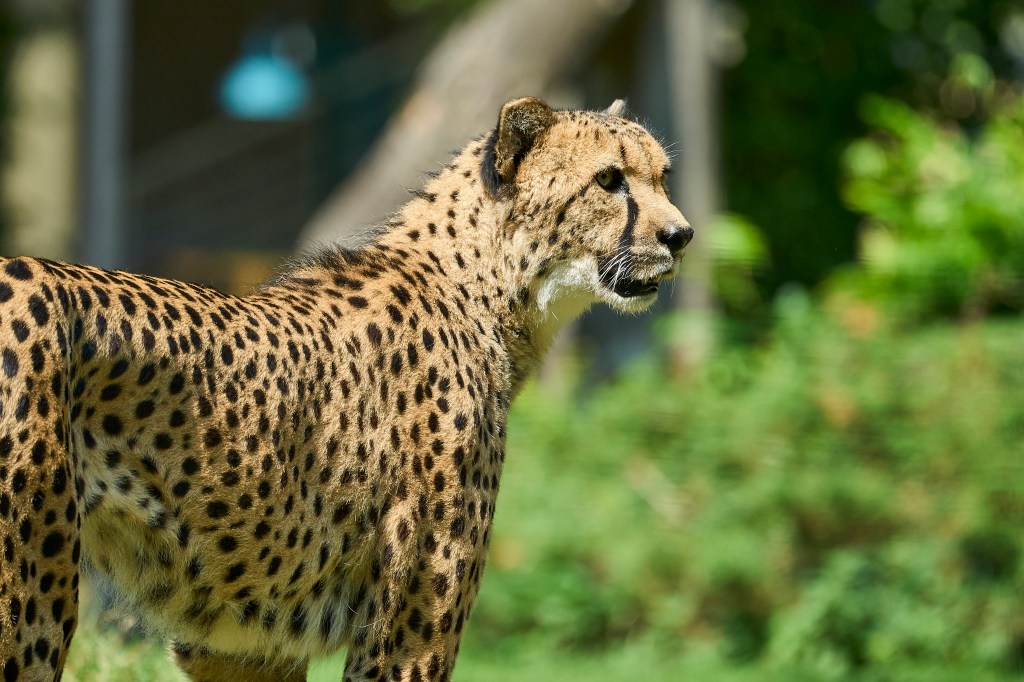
(434, 667)
(112, 425)
(127, 303)
(144, 409)
(38, 359)
(119, 368)
(184, 532)
(11, 670)
(20, 330)
(216, 510)
(235, 571)
(373, 334)
(342, 511)
(146, 374)
(18, 269)
(211, 438)
(53, 544)
(110, 392)
(60, 480)
(10, 363)
(37, 307)
(205, 407)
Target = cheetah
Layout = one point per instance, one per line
(313, 466)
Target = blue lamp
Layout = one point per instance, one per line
(264, 86)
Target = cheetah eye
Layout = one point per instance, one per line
(610, 179)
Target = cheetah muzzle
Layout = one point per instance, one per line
(269, 478)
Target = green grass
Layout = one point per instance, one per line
(103, 655)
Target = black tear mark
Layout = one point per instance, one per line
(632, 213)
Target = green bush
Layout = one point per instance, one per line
(944, 231)
(844, 502)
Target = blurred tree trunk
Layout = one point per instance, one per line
(692, 77)
(503, 49)
(39, 175)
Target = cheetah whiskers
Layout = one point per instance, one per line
(617, 264)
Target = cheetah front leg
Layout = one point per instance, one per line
(39, 562)
(415, 616)
(417, 644)
(202, 665)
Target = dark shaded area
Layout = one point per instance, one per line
(791, 106)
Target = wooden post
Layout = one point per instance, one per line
(692, 86)
(105, 129)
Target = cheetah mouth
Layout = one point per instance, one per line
(631, 287)
(634, 288)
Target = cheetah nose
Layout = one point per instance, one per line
(675, 237)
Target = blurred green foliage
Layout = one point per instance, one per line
(944, 207)
(790, 107)
(842, 503)
(739, 253)
(105, 655)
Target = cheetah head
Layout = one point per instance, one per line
(589, 216)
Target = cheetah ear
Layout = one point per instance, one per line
(520, 123)
(617, 109)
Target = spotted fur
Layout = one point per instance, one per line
(272, 477)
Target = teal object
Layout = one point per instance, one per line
(262, 86)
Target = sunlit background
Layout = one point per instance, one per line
(807, 465)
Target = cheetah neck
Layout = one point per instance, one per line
(472, 237)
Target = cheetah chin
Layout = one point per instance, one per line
(633, 287)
